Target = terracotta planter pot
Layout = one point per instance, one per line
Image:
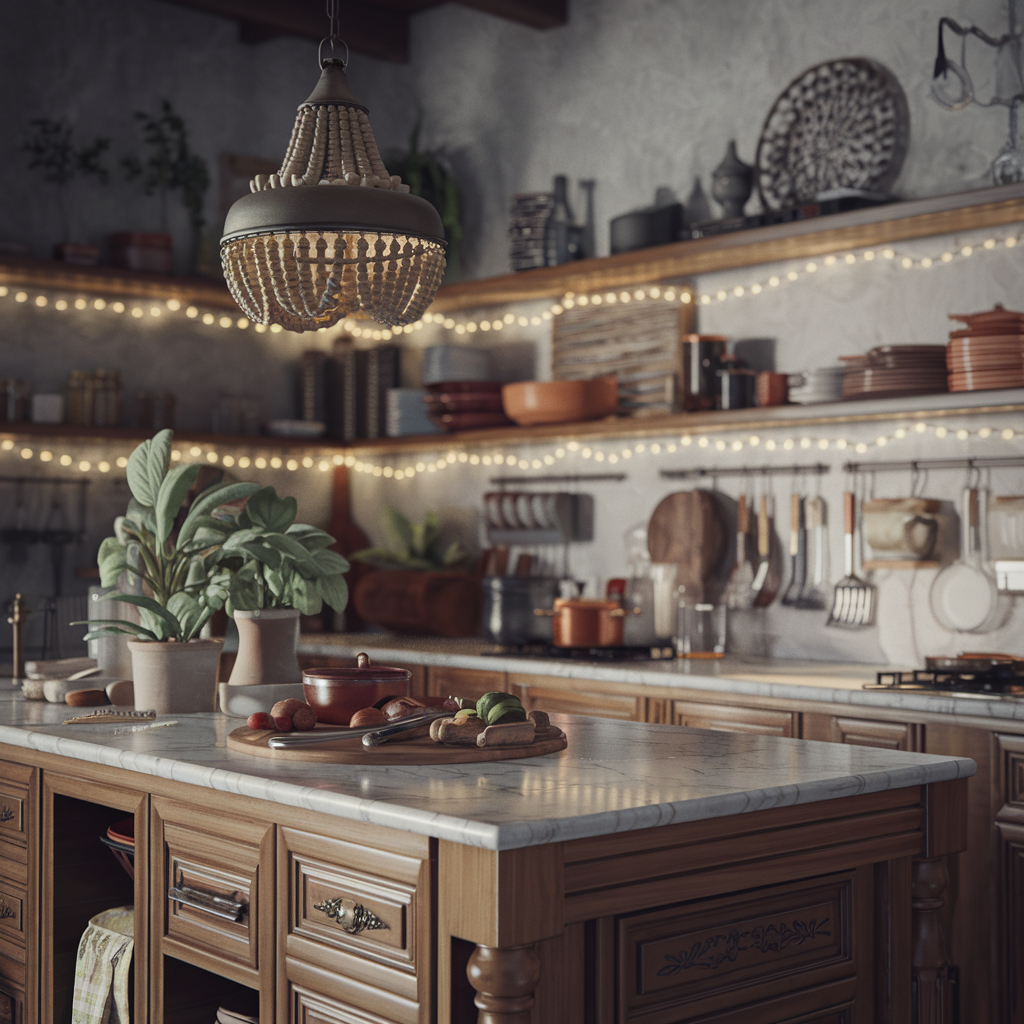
(172, 678)
(435, 603)
(267, 641)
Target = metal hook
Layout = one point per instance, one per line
(331, 41)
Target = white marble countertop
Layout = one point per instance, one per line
(832, 683)
(614, 776)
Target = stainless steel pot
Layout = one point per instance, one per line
(509, 603)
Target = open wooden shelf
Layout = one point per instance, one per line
(781, 417)
(878, 225)
(28, 272)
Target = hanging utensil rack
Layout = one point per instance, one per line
(995, 462)
(579, 478)
(816, 469)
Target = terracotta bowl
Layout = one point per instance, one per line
(336, 694)
(560, 401)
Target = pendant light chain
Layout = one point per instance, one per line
(333, 32)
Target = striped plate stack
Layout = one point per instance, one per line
(987, 353)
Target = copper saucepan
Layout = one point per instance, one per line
(585, 622)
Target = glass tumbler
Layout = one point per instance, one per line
(701, 631)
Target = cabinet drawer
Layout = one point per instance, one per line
(864, 732)
(12, 992)
(463, 682)
(208, 888)
(1011, 770)
(362, 916)
(582, 702)
(15, 808)
(728, 718)
(316, 997)
(12, 915)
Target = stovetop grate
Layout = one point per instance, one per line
(999, 679)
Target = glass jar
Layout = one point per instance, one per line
(701, 631)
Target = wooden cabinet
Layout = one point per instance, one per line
(1009, 798)
(863, 732)
(19, 880)
(212, 893)
(579, 701)
(731, 718)
(463, 682)
(355, 925)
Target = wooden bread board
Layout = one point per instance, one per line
(421, 750)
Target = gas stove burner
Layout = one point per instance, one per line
(583, 653)
(998, 679)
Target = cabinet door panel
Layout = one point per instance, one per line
(316, 996)
(583, 702)
(729, 718)
(463, 682)
(864, 732)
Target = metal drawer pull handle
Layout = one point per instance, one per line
(5, 911)
(353, 917)
(6, 814)
(209, 902)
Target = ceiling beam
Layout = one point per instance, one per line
(371, 30)
(535, 13)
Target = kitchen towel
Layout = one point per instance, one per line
(101, 971)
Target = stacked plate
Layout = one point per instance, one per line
(813, 386)
(241, 1007)
(466, 405)
(895, 371)
(988, 352)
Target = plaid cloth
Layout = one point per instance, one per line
(101, 972)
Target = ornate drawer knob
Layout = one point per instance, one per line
(6, 814)
(5, 911)
(353, 917)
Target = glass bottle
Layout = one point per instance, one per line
(562, 237)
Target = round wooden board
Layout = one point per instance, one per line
(421, 750)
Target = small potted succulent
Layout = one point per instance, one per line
(174, 670)
(268, 570)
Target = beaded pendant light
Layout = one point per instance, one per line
(332, 234)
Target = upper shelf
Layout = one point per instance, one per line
(877, 225)
(114, 281)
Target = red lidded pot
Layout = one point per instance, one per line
(336, 694)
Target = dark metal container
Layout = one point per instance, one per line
(509, 603)
(700, 357)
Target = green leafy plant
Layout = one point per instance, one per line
(51, 148)
(427, 176)
(267, 560)
(170, 166)
(144, 545)
(418, 545)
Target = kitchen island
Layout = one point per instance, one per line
(645, 873)
(805, 699)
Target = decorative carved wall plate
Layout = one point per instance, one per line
(840, 124)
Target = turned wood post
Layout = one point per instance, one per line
(932, 991)
(505, 980)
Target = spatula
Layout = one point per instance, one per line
(797, 551)
(853, 604)
(811, 596)
(739, 591)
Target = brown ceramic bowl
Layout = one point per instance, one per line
(560, 401)
(336, 694)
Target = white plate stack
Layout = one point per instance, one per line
(811, 387)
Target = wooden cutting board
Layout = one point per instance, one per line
(421, 750)
(688, 528)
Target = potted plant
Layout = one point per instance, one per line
(420, 591)
(51, 149)
(170, 166)
(173, 670)
(266, 572)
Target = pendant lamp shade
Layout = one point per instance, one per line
(332, 234)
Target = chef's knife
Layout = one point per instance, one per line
(290, 740)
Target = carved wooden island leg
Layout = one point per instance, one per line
(505, 980)
(933, 992)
